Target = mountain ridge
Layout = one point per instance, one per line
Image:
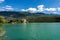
(24, 14)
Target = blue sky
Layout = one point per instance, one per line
(30, 5)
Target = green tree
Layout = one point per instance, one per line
(2, 19)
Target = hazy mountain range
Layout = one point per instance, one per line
(24, 14)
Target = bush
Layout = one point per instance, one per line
(2, 19)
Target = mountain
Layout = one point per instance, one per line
(24, 14)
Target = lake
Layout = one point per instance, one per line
(32, 31)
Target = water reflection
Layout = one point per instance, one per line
(24, 25)
(2, 25)
(3, 32)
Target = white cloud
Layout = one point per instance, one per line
(40, 8)
(23, 10)
(58, 9)
(32, 10)
(2, 1)
(55, 12)
(6, 8)
(50, 9)
(1, 9)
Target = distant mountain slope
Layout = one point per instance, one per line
(23, 14)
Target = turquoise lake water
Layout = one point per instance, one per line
(32, 31)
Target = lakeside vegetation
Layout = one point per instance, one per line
(29, 20)
(2, 19)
